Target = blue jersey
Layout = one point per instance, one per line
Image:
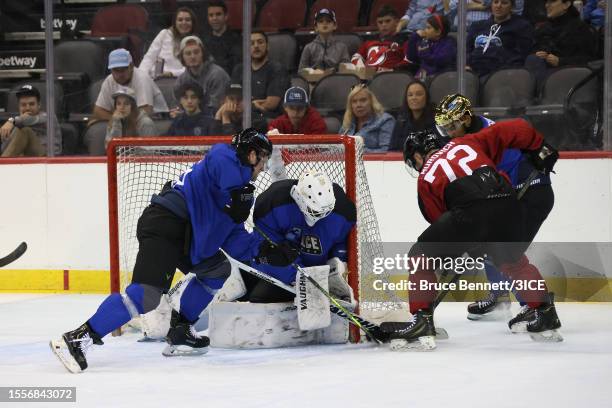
(277, 214)
(206, 188)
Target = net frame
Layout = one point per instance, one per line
(354, 187)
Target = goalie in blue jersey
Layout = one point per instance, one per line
(184, 227)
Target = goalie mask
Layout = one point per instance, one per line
(421, 142)
(251, 139)
(314, 195)
(451, 111)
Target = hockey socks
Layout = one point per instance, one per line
(116, 310)
(197, 295)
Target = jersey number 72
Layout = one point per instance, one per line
(444, 163)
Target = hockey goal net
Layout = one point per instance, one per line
(139, 167)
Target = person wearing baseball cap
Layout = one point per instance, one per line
(123, 74)
(324, 51)
(26, 134)
(299, 116)
(201, 69)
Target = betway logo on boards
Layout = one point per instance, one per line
(59, 23)
(15, 62)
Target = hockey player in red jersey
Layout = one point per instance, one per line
(386, 52)
(473, 208)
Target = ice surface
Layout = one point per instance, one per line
(481, 365)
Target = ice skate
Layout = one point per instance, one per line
(418, 334)
(493, 307)
(540, 322)
(73, 346)
(183, 339)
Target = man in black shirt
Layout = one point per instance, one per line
(269, 79)
(224, 45)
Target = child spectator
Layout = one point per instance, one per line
(127, 119)
(162, 57)
(324, 51)
(418, 113)
(502, 41)
(431, 49)
(26, 134)
(594, 13)
(364, 116)
(417, 14)
(385, 53)
(191, 121)
(299, 116)
(563, 40)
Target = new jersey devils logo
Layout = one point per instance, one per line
(377, 55)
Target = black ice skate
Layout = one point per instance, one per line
(541, 322)
(495, 306)
(71, 349)
(518, 324)
(183, 339)
(418, 334)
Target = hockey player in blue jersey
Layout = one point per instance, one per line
(184, 227)
(309, 219)
(455, 118)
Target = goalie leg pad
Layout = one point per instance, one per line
(338, 286)
(312, 305)
(243, 325)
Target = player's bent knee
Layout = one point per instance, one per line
(217, 267)
(141, 298)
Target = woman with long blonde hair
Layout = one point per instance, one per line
(365, 116)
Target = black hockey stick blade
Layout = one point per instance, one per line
(13, 256)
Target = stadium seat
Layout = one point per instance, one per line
(282, 48)
(166, 86)
(301, 82)
(347, 13)
(333, 124)
(70, 139)
(507, 92)
(13, 103)
(129, 21)
(162, 126)
(568, 108)
(330, 93)
(234, 12)
(94, 139)
(446, 83)
(390, 89)
(81, 58)
(291, 17)
(352, 41)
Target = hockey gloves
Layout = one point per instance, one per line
(544, 158)
(281, 254)
(242, 201)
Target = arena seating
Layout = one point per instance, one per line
(291, 18)
(391, 97)
(446, 83)
(330, 93)
(507, 92)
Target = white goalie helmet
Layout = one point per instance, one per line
(314, 194)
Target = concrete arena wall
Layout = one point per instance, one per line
(61, 210)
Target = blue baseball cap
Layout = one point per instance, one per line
(119, 58)
(296, 96)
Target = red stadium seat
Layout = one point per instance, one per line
(347, 13)
(234, 11)
(282, 15)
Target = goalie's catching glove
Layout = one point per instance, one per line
(281, 254)
(544, 158)
(242, 201)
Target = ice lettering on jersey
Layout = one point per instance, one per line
(311, 244)
(485, 41)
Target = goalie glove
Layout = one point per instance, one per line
(338, 286)
(544, 158)
(242, 201)
(281, 254)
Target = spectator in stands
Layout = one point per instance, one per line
(535, 12)
(162, 58)
(26, 134)
(299, 116)
(191, 121)
(563, 40)
(594, 13)
(127, 119)
(364, 116)
(324, 51)
(229, 116)
(431, 50)
(477, 10)
(201, 69)
(417, 14)
(418, 113)
(123, 74)
(386, 52)
(269, 80)
(502, 41)
(223, 44)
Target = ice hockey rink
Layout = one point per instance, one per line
(482, 364)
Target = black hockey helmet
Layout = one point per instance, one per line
(251, 139)
(422, 142)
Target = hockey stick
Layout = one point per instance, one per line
(13, 256)
(370, 329)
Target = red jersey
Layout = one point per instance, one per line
(462, 155)
(312, 124)
(387, 53)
